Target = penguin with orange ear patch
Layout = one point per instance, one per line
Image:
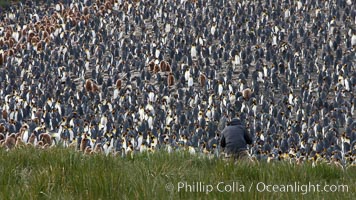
(24, 133)
(170, 79)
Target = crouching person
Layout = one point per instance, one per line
(234, 141)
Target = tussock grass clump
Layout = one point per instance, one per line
(58, 173)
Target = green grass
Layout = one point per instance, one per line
(64, 174)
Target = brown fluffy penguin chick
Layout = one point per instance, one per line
(163, 65)
(10, 141)
(246, 93)
(39, 145)
(202, 80)
(46, 138)
(83, 143)
(88, 85)
(170, 80)
(19, 143)
(88, 151)
(118, 84)
(156, 69)
(98, 148)
(32, 139)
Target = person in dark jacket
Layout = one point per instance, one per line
(235, 139)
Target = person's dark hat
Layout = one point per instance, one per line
(234, 121)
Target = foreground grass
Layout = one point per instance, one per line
(64, 174)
